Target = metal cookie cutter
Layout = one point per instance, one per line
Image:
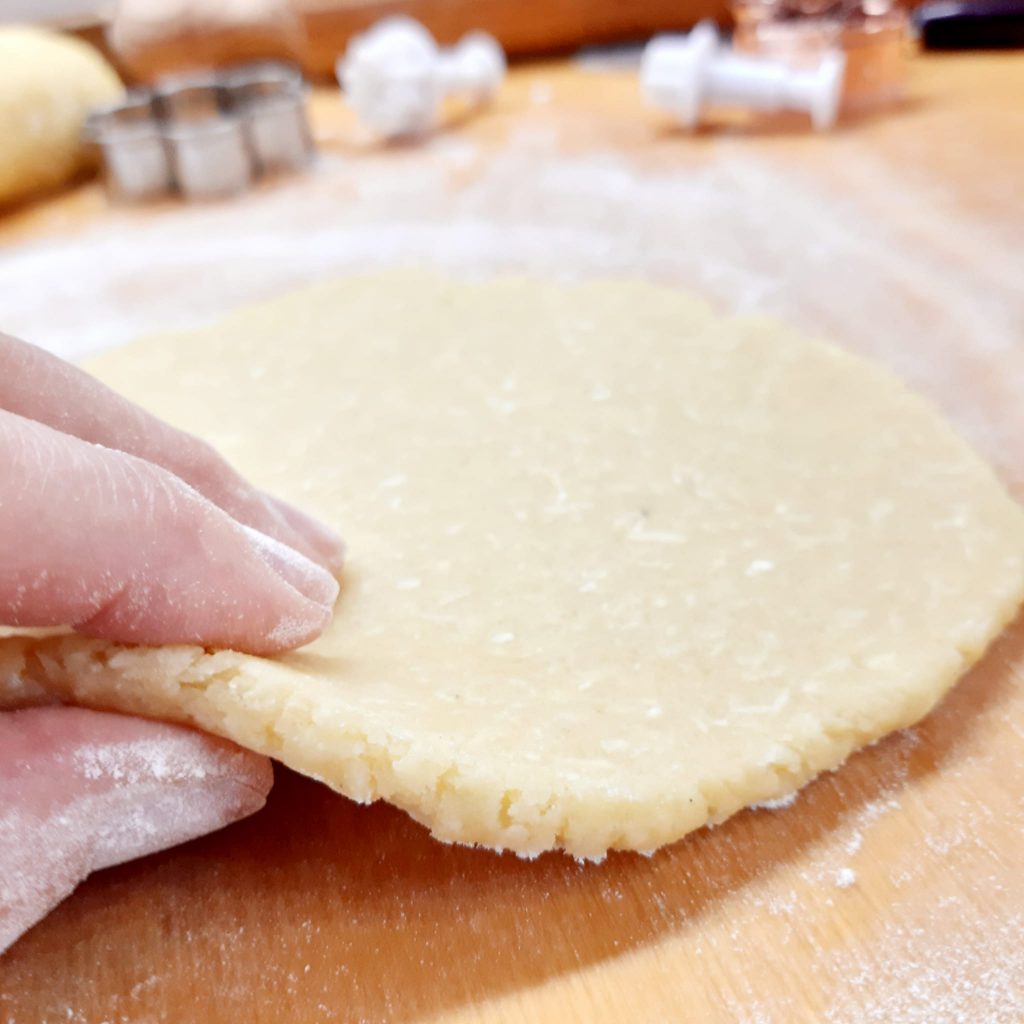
(205, 135)
(130, 140)
(206, 144)
(271, 100)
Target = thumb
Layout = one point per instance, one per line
(81, 790)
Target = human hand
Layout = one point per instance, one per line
(127, 529)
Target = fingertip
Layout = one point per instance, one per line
(306, 576)
(325, 542)
(289, 632)
(298, 597)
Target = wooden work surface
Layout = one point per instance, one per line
(892, 890)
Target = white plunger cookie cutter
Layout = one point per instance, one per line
(395, 77)
(686, 74)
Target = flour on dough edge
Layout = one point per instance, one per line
(446, 796)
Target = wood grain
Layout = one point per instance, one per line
(889, 892)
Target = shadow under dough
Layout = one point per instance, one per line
(356, 914)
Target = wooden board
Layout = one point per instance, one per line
(891, 890)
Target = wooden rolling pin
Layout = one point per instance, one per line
(316, 32)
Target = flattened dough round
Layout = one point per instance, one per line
(617, 566)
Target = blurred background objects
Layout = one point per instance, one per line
(149, 42)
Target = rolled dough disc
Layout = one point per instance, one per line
(48, 83)
(618, 566)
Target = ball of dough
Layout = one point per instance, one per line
(48, 84)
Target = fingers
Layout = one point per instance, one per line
(123, 550)
(81, 790)
(38, 386)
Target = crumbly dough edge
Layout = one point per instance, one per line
(265, 712)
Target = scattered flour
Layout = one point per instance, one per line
(777, 804)
(956, 970)
(162, 760)
(845, 877)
